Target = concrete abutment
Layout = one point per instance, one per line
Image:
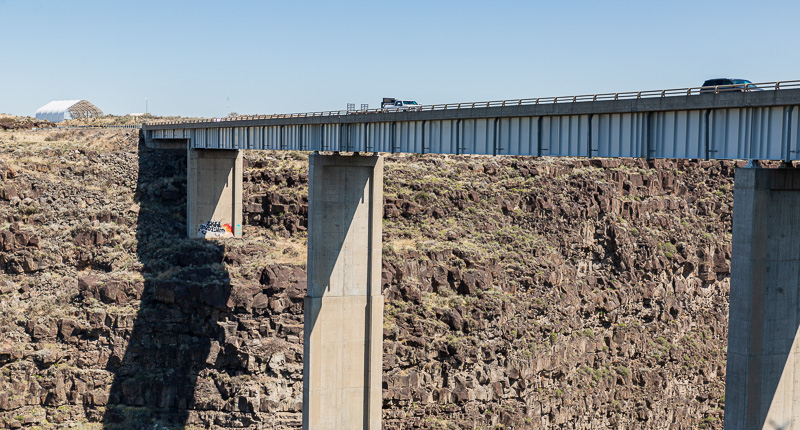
(214, 193)
(763, 369)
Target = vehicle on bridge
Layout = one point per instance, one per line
(720, 85)
(392, 104)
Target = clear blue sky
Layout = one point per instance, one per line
(293, 56)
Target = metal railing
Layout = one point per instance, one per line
(72, 127)
(777, 85)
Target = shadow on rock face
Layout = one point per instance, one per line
(183, 312)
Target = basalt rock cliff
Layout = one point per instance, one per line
(520, 292)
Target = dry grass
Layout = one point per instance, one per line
(45, 141)
(290, 252)
(113, 120)
(400, 245)
(276, 250)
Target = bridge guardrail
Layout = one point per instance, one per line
(71, 127)
(776, 86)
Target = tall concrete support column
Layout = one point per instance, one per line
(344, 307)
(762, 390)
(214, 189)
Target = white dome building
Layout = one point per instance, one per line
(59, 110)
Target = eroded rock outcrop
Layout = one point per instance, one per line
(525, 293)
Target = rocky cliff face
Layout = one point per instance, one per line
(521, 293)
(10, 122)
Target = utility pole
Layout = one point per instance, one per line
(145, 105)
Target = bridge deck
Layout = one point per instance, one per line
(727, 125)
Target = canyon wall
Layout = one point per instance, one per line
(520, 292)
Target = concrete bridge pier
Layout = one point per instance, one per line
(343, 338)
(763, 370)
(214, 193)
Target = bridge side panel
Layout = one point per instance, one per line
(294, 136)
(678, 134)
(440, 137)
(212, 138)
(619, 135)
(373, 137)
(244, 137)
(408, 135)
(728, 135)
(272, 137)
(169, 134)
(755, 133)
(565, 136)
(359, 134)
(518, 136)
(767, 124)
(433, 138)
(198, 138)
(793, 133)
(226, 138)
(241, 140)
(260, 138)
(380, 137)
(477, 136)
(312, 135)
(256, 135)
(346, 137)
(333, 138)
(468, 132)
(447, 139)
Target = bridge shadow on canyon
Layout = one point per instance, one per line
(183, 318)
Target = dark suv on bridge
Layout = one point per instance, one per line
(728, 84)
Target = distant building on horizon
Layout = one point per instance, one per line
(60, 110)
